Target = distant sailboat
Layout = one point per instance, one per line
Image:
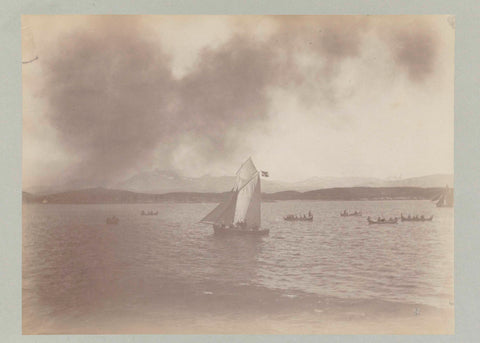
(444, 199)
(240, 213)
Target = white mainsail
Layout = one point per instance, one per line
(248, 203)
(243, 203)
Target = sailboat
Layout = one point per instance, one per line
(444, 199)
(240, 212)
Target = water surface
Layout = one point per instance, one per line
(167, 273)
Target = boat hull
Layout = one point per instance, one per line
(429, 219)
(371, 222)
(240, 232)
(299, 220)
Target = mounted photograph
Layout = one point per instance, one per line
(238, 174)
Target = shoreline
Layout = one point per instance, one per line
(263, 311)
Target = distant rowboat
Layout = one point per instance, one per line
(416, 219)
(149, 213)
(292, 218)
(353, 214)
(384, 221)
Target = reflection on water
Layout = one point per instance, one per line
(78, 271)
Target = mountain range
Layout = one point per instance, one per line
(101, 195)
(161, 181)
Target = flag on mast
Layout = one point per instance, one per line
(265, 173)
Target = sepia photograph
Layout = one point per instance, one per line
(237, 174)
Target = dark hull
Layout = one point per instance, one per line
(240, 232)
(299, 219)
(385, 222)
(417, 220)
(350, 215)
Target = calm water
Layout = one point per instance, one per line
(80, 274)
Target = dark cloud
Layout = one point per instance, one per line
(109, 93)
(116, 105)
(416, 52)
(113, 99)
(329, 40)
(226, 95)
(414, 49)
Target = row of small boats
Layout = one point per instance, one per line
(114, 220)
(415, 218)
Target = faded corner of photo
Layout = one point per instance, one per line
(238, 174)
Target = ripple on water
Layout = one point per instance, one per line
(73, 260)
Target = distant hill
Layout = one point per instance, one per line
(161, 181)
(103, 195)
(437, 180)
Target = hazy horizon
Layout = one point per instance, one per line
(306, 96)
(162, 181)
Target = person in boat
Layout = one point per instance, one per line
(309, 214)
(422, 217)
(409, 216)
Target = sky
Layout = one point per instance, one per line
(113, 96)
